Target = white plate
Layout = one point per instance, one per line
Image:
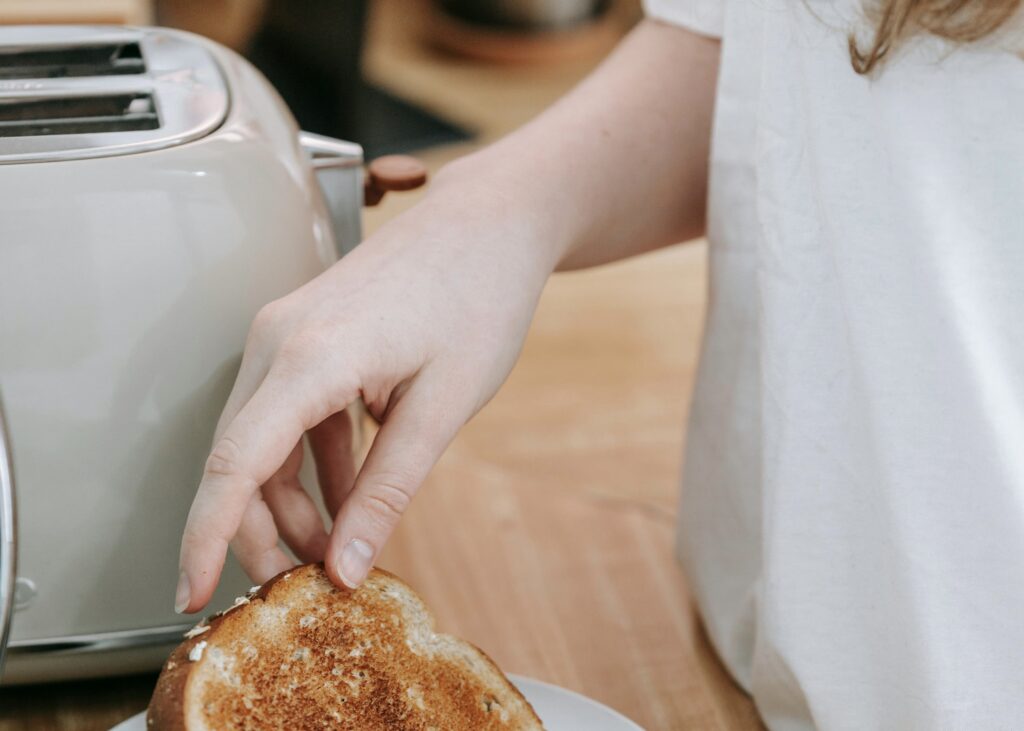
(558, 708)
(563, 710)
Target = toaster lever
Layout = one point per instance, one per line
(392, 172)
(338, 166)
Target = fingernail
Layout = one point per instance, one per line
(183, 595)
(355, 563)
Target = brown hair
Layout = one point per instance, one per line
(963, 21)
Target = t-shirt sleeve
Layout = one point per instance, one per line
(706, 17)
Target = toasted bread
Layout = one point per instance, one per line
(299, 653)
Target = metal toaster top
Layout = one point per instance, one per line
(71, 92)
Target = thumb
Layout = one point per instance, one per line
(406, 447)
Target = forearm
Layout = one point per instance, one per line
(425, 320)
(618, 166)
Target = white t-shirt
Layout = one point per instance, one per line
(852, 518)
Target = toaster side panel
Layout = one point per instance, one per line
(127, 285)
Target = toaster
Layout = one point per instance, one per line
(155, 192)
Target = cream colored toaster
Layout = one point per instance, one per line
(154, 193)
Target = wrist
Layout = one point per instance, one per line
(506, 193)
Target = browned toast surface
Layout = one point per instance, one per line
(301, 654)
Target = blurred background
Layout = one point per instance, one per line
(361, 70)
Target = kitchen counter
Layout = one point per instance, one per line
(545, 533)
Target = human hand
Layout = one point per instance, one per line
(423, 321)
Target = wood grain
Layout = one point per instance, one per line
(545, 533)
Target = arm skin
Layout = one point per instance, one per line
(426, 318)
(619, 165)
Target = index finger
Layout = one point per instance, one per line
(251, 449)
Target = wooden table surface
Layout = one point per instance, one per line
(545, 533)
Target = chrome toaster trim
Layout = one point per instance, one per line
(92, 655)
(328, 152)
(101, 641)
(8, 534)
(339, 172)
(181, 76)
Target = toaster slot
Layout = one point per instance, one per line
(106, 59)
(123, 112)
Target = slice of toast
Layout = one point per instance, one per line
(299, 653)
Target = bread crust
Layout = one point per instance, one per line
(170, 701)
(166, 710)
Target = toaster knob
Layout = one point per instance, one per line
(392, 172)
(24, 592)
